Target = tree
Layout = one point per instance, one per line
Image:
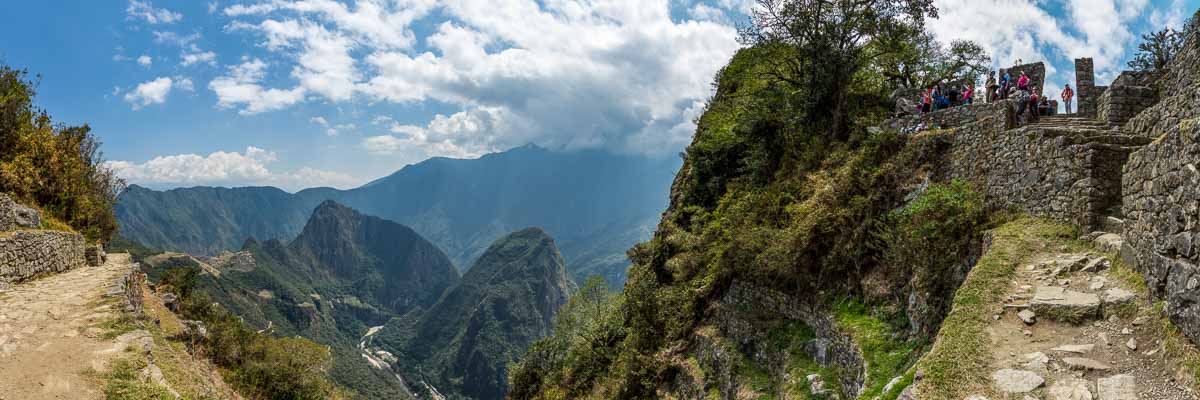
(1157, 49)
(831, 42)
(922, 61)
(56, 167)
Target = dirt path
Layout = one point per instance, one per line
(1073, 329)
(49, 339)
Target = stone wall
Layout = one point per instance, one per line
(13, 215)
(1161, 189)
(1035, 71)
(1061, 173)
(1086, 92)
(26, 254)
(1128, 95)
(1179, 88)
(947, 118)
(1162, 228)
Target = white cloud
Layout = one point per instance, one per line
(240, 88)
(145, 61)
(172, 38)
(144, 10)
(1024, 30)
(150, 92)
(465, 134)
(204, 57)
(562, 74)
(227, 168)
(212, 7)
(319, 121)
(184, 84)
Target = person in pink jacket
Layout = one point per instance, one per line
(1023, 82)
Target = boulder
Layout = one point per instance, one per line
(1016, 381)
(1063, 305)
(1117, 387)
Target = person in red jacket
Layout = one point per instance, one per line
(1067, 95)
(1023, 82)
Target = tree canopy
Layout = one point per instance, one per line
(54, 166)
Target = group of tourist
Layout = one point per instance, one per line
(1027, 99)
(935, 98)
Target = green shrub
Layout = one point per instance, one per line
(259, 366)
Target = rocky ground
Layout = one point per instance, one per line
(1074, 327)
(51, 333)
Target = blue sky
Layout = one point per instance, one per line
(300, 93)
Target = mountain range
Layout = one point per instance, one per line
(596, 204)
(399, 320)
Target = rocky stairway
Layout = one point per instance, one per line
(1073, 329)
(1067, 122)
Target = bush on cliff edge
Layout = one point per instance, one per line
(56, 167)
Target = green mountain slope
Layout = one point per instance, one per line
(345, 273)
(463, 345)
(596, 204)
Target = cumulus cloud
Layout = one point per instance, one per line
(239, 88)
(145, 11)
(1024, 30)
(196, 56)
(250, 167)
(561, 74)
(150, 92)
(145, 61)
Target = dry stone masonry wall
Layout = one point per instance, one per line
(1128, 95)
(26, 254)
(1061, 173)
(1161, 188)
(1035, 71)
(1086, 92)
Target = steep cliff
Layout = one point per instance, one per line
(462, 346)
(344, 274)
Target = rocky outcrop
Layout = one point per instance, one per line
(742, 310)
(26, 254)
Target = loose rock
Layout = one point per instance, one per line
(1014, 381)
(1027, 316)
(1070, 389)
(1075, 348)
(1085, 364)
(1117, 387)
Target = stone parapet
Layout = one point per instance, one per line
(27, 254)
